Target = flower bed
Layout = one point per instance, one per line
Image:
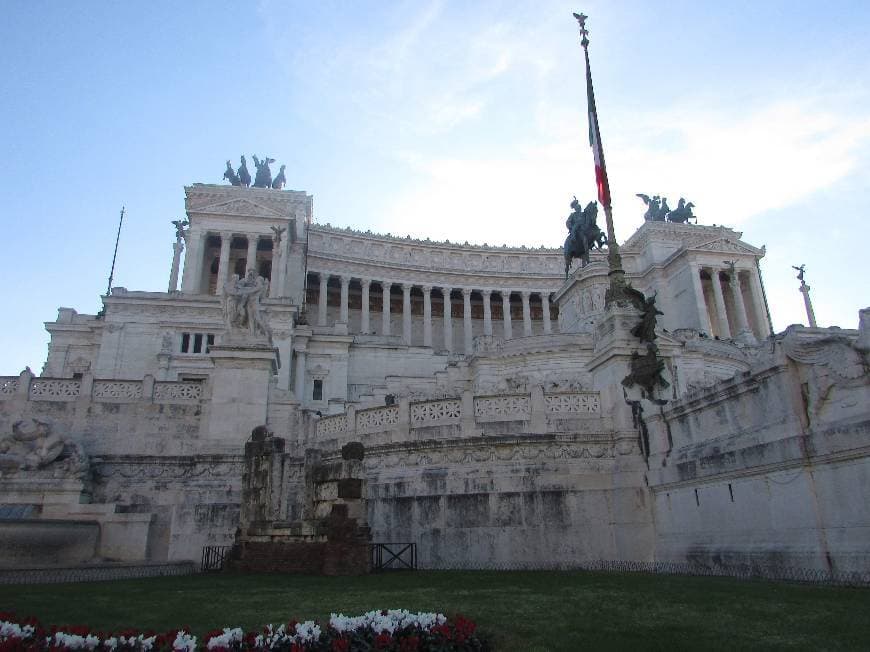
(392, 630)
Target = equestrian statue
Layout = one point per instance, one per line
(583, 234)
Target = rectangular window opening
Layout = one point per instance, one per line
(197, 343)
(209, 340)
(731, 492)
(185, 342)
(317, 393)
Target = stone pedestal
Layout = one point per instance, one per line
(240, 391)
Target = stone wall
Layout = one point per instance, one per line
(770, 467)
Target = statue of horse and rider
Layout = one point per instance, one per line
(657, 210)
(583, 234)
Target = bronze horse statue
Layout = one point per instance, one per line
(583, 234)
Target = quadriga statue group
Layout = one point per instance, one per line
(262, 176)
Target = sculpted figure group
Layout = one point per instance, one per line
(657, 210)
(263, 174)
(241, 304)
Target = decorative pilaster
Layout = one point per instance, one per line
(722, 315)
(345, 287)
(364, 314)
(448, 319)
(466, 319)
(223, 261)
(545, 308)
(275, 289)
(406, 313)
(427, 315)
(299, 380)
(251, 260)
(487, 312)
(527, 313)
(385, 314)
(506, 313)
(321, 300)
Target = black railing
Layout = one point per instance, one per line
(213, 558)
(393, 556)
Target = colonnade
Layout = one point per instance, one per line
(446, 292)
(731, 314)
(198, 248)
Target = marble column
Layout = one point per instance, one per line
(193, 263)
(545, 308)
(251, 259)
(466, 320)
(300, 376)
(527, 314)
(274, 283)
(177, 248)
(224, 260)
(427, 315)
(808, 305)
(487, 312)
(721, 314)
(741, 318)
(406, 313)
(757, 295)
(285, 256)
(448, 319)
(364, 314)
(345, 287)
(506, 313)
(700, 302)
(385, 307)
(322, 299)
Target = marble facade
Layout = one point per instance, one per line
(484, 385)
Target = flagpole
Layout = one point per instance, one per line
(115, 255)
(614, 259)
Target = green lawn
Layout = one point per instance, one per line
(514, 610)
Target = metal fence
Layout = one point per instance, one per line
(393, 556)
(213, 558)
(738, 571)
(95, 573)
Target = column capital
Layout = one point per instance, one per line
(466, 292)
(486, 293)
(324, 277)
(506, 295)
(386, 284)
(345, 280)
(406, 287)
(545, 294)
(427, 289)
(446, 288)
(526, 294)
(365, 282)
(226, 235)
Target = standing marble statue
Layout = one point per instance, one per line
(241, 304)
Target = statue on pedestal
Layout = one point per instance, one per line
(583, 233)
(682, 213)
(241, 304)
(646, 371)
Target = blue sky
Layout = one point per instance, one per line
(449, 120)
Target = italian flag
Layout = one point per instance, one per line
(595, 142)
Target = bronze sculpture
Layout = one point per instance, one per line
(280, 180)
(263, 176)
(583, 233)
(244, 175)
(231, 176)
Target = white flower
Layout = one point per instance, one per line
(184, 641)
(230, 636)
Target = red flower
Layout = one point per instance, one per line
(409, 644)
(383, 641)
(340, 645)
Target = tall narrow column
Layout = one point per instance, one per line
(527, 314)
(251, 260)
(448, 319)
(739, 305)
(758, 301)
(724, 329)
(364, 315)
(385, 307)
(466, 320)
(321, 300)
(811, 315)
(487, 312)
(427, 315)
(224, 260)
(193, 263)
(300, 376)
(506, 313)
(177, 248)
(274, 277)
(406, 313)
(345, 286)
(545, 308)
(703, 313)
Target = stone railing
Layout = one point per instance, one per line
(30, 388)
(531, 411)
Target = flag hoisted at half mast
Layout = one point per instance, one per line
(594, 133)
